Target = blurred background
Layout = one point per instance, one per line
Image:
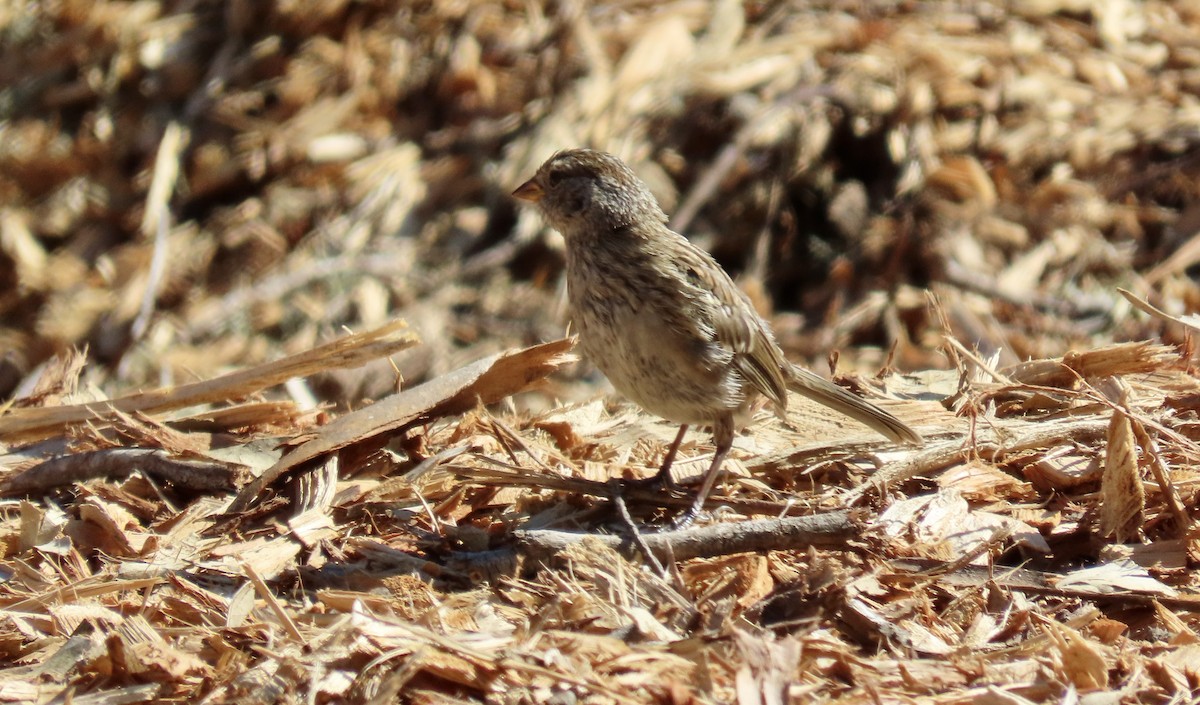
(188, 187)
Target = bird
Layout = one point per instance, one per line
(663, 320)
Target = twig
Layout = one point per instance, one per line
(505, 475)
(975, 360)
(120, 462)
(638, 540)
(503, 431)
(1152, 456)
(990, 444)
(998, 537)
(831, 530)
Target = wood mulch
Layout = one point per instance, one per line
(289, 410)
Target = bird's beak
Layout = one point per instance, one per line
(529, 191)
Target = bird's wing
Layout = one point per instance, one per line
(738, 327)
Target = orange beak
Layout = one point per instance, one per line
(529, 191)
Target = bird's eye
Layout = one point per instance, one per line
(555, 177)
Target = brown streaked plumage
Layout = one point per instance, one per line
(661, 319)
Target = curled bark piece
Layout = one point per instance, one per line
(486, 381)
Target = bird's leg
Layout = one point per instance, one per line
(723, 437)
(663, 478)
(664, 473)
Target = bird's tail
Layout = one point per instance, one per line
(822, 390)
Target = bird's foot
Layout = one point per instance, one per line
(659, 480)
(683, 521)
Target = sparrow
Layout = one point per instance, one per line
(663, 320)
